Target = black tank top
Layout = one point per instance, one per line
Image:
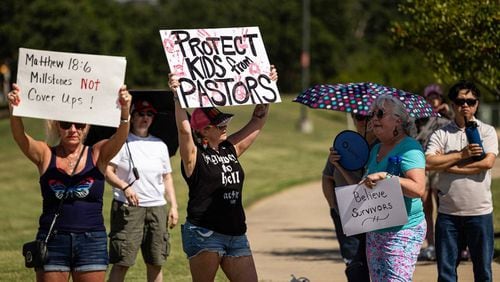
(82, 209)
(215, 191)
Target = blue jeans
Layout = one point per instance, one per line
(476, 232)
(353, 251)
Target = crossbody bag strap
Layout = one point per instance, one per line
(59, 208)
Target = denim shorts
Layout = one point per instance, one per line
(196, 239)
(76, 251)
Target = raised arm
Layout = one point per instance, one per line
(37, 151)
(106, 149)
(247, 135)
(187, 148)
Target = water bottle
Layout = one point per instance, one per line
(394, 165)
(473, 137)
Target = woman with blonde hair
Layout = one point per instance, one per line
(72, 188)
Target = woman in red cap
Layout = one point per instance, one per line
(215, 230)
(142, 185)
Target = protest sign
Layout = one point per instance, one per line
(363, 209)
(70, 87)
(220, 66)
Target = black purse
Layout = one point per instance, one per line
(35, 252)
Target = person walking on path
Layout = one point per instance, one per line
(141, 178)
(433, 93)
(392, 252)
(214, 233)
(465, 212)
(77, 246)
(352, 248)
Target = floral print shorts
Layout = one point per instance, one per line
(392, 256)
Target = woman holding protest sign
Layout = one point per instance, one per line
(72, 187)
(215, 230)
(392, 252)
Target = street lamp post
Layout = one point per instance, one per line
(305, 124)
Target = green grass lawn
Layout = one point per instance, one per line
(280, 158)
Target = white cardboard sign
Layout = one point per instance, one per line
(363, 209)
(220, 66)
(70, 87)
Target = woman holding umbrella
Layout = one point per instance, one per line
(352, 248)
(392, 252)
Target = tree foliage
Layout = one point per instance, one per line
(458, 37)
(349, 39)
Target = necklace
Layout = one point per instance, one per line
(71, 159)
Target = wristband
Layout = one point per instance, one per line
(124, 120)
(388, 175)
(126, 187)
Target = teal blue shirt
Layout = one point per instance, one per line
(413, 157)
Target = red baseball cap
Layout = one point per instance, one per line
(203, 117)
(142, 106)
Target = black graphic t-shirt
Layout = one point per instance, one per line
(215, 191)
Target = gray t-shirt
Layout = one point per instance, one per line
(460, 194)
(338, 178)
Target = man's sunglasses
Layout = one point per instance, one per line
(67, 125)
(461, 102)
(146, 114)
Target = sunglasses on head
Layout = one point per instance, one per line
(67, 125)
(146, 114)
(461, 102)
(359, 117)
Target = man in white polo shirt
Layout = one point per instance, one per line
(465, 212)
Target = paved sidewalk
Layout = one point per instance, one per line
(292, 233)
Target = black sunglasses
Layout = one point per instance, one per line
(359, 117)
(461, 102)
(219, 127)
(67, 125)
(379, 114)
(144, 114)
